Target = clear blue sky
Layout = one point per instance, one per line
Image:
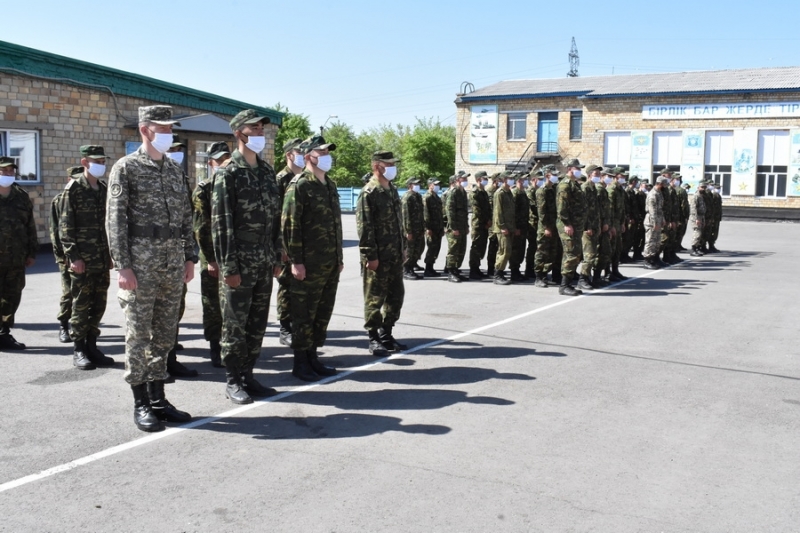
(373, 63)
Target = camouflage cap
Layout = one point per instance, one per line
(218, 149)
(433, 181)
(591, 168)
(573, 163)
(452, 179)
(7, 162)
(413, 181)
(92, 151)
(177, 142)
(662, 179)
(676, 175)
(480, 174)
(495, 176)
(537, 173)
(292, 145)
(666, 172)
(157, 114)
(385, 157)
(315, 142)
(463, 174)
(686, 186)
(618, 170)
(74, 171)
(633, 178)
(608, 171)
(248, 116)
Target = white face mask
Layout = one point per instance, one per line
(525, 183)
(540, 183)
(484, 183)
(464, 183)
(299, 160)
(621, 181)
(162, 142)
(553, 179)
(577, 173)
(607, 180)
(390, 173)
(436, 189)
(324, 162)
(677, 183)
(595, 179)
(511, 183)
(256, 143)
(97, 170)
(6, 181)
(175, 156)
(416, 188)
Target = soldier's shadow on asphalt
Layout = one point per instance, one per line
(653, 287)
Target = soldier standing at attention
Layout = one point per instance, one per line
(697, 218)
(495, 182)
(65, 303)
(218, 156)
(604, 214)
(533, 223)
(149, 228)
(716, 217)
(592, 228)
(82, 232)
(639, 204)
(653, 223)
(570, 224)
(312, 233)
(382, 246)
(504, 225)
(684, 210)
(616, 198)
(413, 227)
(457, 209)
(546, 236)
(434, 226)
(522, 211)
(480, 225)
(245, 223)
(295, 163)
(19, 244)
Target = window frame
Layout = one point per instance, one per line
(513, 119)
(5, 150)
(572, 116)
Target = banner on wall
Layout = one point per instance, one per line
(483, 134)
(642, 154)
(693, 158)
(793, 188)
(745, 157)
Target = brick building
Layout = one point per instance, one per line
(740, 128)
(50, 105)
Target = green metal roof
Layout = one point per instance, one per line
(23, 60)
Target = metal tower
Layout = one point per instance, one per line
(574, 60)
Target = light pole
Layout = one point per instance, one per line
(322, 128)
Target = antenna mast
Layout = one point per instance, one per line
(574, 60)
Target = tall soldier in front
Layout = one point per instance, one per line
(82, 233)
(246, 224)
(149, 228)
(312, 232)
(383, 249)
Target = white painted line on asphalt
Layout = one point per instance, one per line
(108, 452)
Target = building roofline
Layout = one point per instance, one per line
(466, 98)
(687, 93)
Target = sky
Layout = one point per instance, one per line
(386, 63)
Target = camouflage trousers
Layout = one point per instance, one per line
(414, 249)
(151, 319)
(616, 245)
(311, 304)
(491, 250)
(638, 237)
(628, 237)
(480, 241)
(530, 253)
(680, 234)
(572, 253)
(713, 232)
(212, 314)
(518, 248)
(244, 315)
(697, 233)
(546, 252)
(652, 240)
(434, 243)
(282, 298)
(12, 281)
(603, 250)
(456, 249)
(384, 293)
(505, 248)
(65, 302)
(667, 238)
(590, 244)
(89, 295)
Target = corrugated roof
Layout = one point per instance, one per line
(772, 79)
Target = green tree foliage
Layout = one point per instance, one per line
(351, 157)
(294, 125)
(429, 150)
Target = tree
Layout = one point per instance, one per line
(351, 157)
(294, 125)
(429, 150)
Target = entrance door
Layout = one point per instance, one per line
(548, 133)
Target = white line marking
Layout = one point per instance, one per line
(108, 452)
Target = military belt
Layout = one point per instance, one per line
(154, 232)
(250, 237)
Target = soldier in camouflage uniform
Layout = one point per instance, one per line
(495, 182)
(65, 303)
(616, 198)
(434, 226)
(218, 156)
(245, 224)
(149, 229)
(715, 217)
(457, 211)
(536, 181)
(546, 235)
(19, 246)
(605, 215)
(654, 222)
(684, 211)
(522, 211)
(640, 210)
(295, 163)
(570, 222)
(382, 247)
(590, 238)
(312, 234)
(668, 231)
(413, 227)
(629, 191)
(504, 215)
(697, 218)
(82, 234)
(480, 224)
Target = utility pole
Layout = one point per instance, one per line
(574, 60)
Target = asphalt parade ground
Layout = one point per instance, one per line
(668, 403)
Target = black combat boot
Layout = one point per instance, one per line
(143, 415)
(490, 270)
(541, 281)
(418, 268)
(234, 389)
(301, 368)
(500, 278)
(516, 275)
(161, 406)
(625, 259)
(617, 273)
(97, 357)
(597, 278)
(712, 249)
(215, 352)
(80, 357)
(675, 257)
(566, 289)
(375, 347)
(285, 335)
(461, 276)
(704, 248)
(650, 264)
(452, 275)
(657, 260)
(584, 283)
(408, 273)
(556, 277)
(63, 332)
(176, 369)
(637, 256)
(667, 258)
(252, 387)
(8, 342)
(475, 273)
(317, 366)
(388, 341)
(430, 272)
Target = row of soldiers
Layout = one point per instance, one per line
(548, 221)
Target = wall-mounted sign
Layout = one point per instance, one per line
(483, 134)
(722, 111)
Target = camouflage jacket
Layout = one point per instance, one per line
(283, 178)
(591, 212)
(379, 219)
(603, 206)
(481, 208)
(82, 224)
(312, 221)
(683, 202)
(245, 215)
(18, 240)
(432, 207)
(148, 197)
(546, 206)
(641, 206)
(457, 210)
(201, 220)
(413, 213)
(697, 208)
(569, 204)
(666, 201)
(55, 240)
(630, 210)
(533, 215)
(616, 200)
(505, 211)
(522, 208)
(655, 208)
(716, 206)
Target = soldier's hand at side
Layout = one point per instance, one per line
(276, 270)
(409, 237)
(233, 281)
(568, 230)
(188, 271)
(79, 267)
(341, 267)
(456, 233)
(505, 231)
(299, 272)
(29, 262)
(372, 265)
(127, 280)
(588, 232)
(429, 233)
(284, 257)
(213, 270)
(547, 232)
(622, 229)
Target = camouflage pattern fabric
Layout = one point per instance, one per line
(457, 209)
(604, 214)
(479, 230)
(18, 242)
(504, 218)
(640, 204)
(685, 210)
(65, 301)
(413, 224)
(522, 212)
(149, 197)
(667, 209)
(716, 217)
(653, 219)
(546, 247)
(697, 218)
(569, 203)
(617, 201)
(630, 222)
(590, 243)
(284, 177)
(533, 227)
(209, 286)
(432, 209)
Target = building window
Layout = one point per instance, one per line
(617, 149)
(771, 180)
(575, 125)
(516, 126)
(201, 168)
(721, 176)
(23, 147)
